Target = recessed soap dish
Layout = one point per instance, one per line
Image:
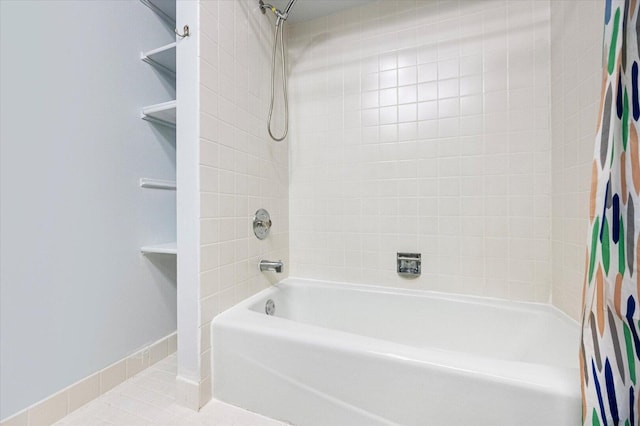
(409, 264)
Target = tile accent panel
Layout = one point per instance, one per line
(423, 126)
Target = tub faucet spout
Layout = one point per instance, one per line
(271, 265)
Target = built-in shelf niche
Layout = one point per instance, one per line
(162, 59)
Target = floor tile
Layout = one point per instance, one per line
(148, 399)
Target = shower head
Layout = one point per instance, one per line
(280, 15)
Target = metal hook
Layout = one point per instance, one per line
(185, 32)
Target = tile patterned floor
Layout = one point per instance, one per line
(149, 399)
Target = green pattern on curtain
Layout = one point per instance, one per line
(610, 347)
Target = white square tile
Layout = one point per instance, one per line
(388, 61)
(407, 76)
(471, 85)
(428, 129)
(388, 79)
(407, 94)
(428, 110)
(448, 69)
(388, 133)
(471, 105)
(448, 107)
(370, 81)
(388, 97)
(448, 127)
(389, 115)
(428, 72)
(407, 113)
(407, 131)
(448, 88)
(470, 65)
(407, 57)
(427, 91)
(370, 117)
(370, 99)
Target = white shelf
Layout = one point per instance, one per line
(157, 183)
(164, 113)
(163, 58)
(167, 248)
(166, 9)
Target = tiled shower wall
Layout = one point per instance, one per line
(241, 170)
(424, 127)
(576, 51)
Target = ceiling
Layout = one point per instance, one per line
(305, 10)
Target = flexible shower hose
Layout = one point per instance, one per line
(284, 83)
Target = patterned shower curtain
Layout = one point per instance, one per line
(610, 349)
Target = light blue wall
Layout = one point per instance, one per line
(75, 293)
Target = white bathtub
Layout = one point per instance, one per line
(344, 354)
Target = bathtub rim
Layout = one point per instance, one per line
(442, 295)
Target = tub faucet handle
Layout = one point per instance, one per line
(271, 265)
